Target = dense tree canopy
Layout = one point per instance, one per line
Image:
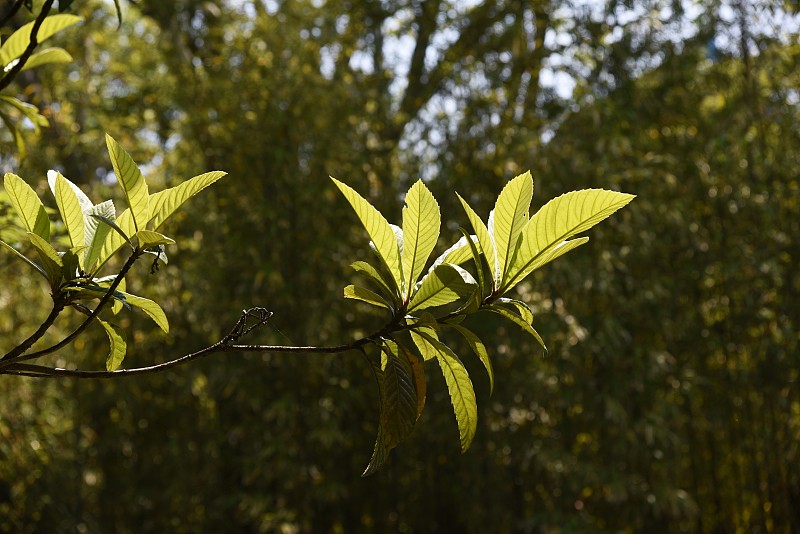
(669, 397)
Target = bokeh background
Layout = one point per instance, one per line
(669, 400)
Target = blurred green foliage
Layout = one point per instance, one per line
(669, 398)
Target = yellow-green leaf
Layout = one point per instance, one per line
(71, 212)
(95, 231)
(118, 346)
(150, 308)
(147, 239)
(27, 205)
(48, 55)
(526, 327)
(563, 218)
(15, 45)
(164, 203)
(479, 348)
(133, 184)
(510, 217)
(51, 262)
(378, 229)
(364, 295)
(519, 273)
(421, 222)
(444, 284)
(420, 335)
(376, 276)
(462, 395)
(113, 239)
(485, 239)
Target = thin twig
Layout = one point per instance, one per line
(11, 74)
(225, 345)
(58, 307)
(21, 357)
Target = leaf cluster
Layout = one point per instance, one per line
(96, 232)
(424, 304)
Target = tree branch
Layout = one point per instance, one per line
(227, 344)
(11, 74)
(17, 355)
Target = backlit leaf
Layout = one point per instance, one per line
(365, 295)
(123, 227)
(462, 395)
(520, 322)
(479, 348)
(510, 217)
(148, 238)
(47, 55)
(421, 222)
(51, 262)
(445, 284)
(375, 276)
(118, 346)
(485, 239)
(70, 208)
(150, 308)
(95, 231)
(559, 220)
(15, 45)
(378, 229)
(27, 205)
(548, 255)
(164, 203)
(133, 184)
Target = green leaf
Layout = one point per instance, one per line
(150, 308)
(47, 55)
(421, 222)
(420, 335)
(51, 262)
(523, 309)
(118, 346)
(520, 322)
(133, 184)
(365, 295)
(485, 239)
(15, 45)
(123, 227)
(420, 383)
(119, 294)
(522, 269)
(510, 217)
(69, 205)
(29, 110)
(373, 274)
(95, 231)
(27, 205)
(379, 231)
(559, 220)
(457, 254)
(480, 351)
(25, 259)
(476, 258)
(71, 261)
(379, 454)
(444, 284)
(462, 395)
(147, 239)
(166, 202)
(399, 403)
